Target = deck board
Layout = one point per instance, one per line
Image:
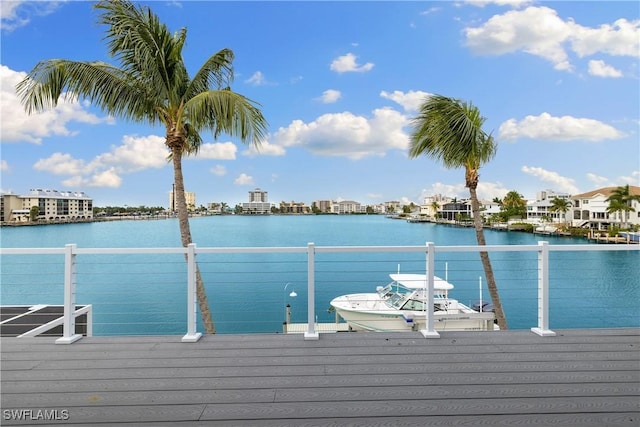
(582, 377)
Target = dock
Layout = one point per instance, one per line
(41, 320)
(580, 377)
(323, 328)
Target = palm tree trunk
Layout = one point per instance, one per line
(486, 262)
(185, 235)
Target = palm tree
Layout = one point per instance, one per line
(560, 205)
(513, 205)
(435, 206)
(450, 130)
(620, 201)
(153, 86)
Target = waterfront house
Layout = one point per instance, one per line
(49, 205)
(539, 211)
(590, 209)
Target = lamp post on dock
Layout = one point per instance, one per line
(287, 307)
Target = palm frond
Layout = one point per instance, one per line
(215, 73)
(224, 111)
(108, 87)
(450, 130)
(144, 46)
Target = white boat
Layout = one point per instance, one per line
(401, 306)
(630, 236)
(546, 229)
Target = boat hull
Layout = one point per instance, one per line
(369, 315)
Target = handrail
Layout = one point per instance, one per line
(431, 250)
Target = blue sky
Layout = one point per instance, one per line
(339, 82)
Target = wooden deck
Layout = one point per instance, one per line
(580, 377)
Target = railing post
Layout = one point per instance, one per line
(192, 298)
(543, 292)
(69, 335)
(311, 333)
(430, 332)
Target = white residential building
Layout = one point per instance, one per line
(428, 207)
(590, 209)
(539, 211)
(52, 205)
(258, 203)
(349, 207)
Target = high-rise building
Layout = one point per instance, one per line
(190, 198)
(258, 203)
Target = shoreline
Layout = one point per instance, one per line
(593, 235)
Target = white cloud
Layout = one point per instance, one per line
(541, 32)
(622, 38)
(491, 190)
(345, 134)
(602, 181)
(597, 180)
(217, 151)
(512, 3)
(600, 69)
(559, 182)
(265, 148)
(61, 164)
(535, 30)
(108, 178)
(18, 126)
(632, 179)
(347, 63)
(4, 166)
(565, 128)
(218, 170)
(430, 11)
(17, 13)
(244, 179)
(410, 101)
(133, 155)
(449, 190)
(486, 190)
(257, 79)
(330, 96)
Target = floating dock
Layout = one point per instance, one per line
(40, 320)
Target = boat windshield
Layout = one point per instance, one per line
(384, 292)
(414, 305)
(396, 300)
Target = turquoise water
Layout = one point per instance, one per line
(145, 294)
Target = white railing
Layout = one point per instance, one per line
(430, 253)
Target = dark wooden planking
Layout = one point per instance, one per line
(215, 394)
(482, 379)
(579, 378)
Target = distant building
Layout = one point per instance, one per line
(590, 209)
(258, 203)
(428, 207)
(540, 209)
(190, 198)
(324, 206)
(52, 205)
(349, 207)
(455, 210)
(294, 207)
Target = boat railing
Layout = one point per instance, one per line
(307, 262)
